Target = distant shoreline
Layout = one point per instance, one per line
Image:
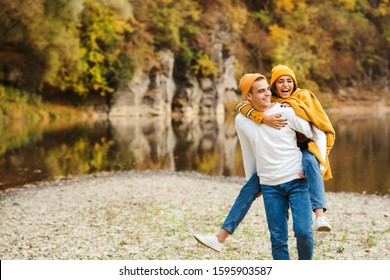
(354, 110)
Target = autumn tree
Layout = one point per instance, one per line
(37, 41)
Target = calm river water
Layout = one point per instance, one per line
(360, 158)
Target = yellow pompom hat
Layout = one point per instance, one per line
(247, 81)
(282, 70)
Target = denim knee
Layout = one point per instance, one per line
(242, 204)
(303, 234)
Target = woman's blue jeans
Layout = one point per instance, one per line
(249, 191)
(277, 201)
(311, 169)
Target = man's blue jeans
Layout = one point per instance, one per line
(249, 191)
(242, 204)
(277, 201)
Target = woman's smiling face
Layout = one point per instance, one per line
(284, 86)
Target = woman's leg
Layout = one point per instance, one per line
(315, 183)
(312, 171)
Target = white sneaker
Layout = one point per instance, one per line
(210, 241)
(321, 224)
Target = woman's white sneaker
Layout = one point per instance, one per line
(321, 224)
(210, 241)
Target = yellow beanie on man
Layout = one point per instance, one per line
(282, 70)
(247, 81)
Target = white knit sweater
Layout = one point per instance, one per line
(273, 153)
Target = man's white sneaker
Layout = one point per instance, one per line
(321, 224)
(210, 241)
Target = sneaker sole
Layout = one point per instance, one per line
(324, 229)
(204, 244)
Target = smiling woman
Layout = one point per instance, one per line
(284, 86)
(283, 81)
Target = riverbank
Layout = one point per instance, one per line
(17, 105)
(153, 215)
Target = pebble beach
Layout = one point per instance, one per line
(145, 215)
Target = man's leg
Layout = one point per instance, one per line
(247, 195)
(302, 218)
(276, 209)
(242, 204)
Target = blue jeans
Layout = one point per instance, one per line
(277, 201)
(249, 191)
(242, 204)
(312, 171)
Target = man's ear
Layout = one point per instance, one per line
(249, 96)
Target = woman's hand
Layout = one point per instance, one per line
(275, 121)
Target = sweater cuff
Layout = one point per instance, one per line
(248, 111)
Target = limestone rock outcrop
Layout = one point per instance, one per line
(157, 91)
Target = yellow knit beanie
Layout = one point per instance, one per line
(247, 81)
(282, 70)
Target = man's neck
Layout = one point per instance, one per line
(262, 109)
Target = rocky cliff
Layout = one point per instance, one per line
(158, 91)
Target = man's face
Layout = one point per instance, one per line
(260, 95)
(284, 86)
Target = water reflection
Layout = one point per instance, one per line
(360, 158)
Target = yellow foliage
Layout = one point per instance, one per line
(286, 5)
(278, 34)
(238, 16)
(91, 46)
(383, 8)
(348, 4)
(205, 66)
(121, 27)
(96, 57)
(279, 37)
